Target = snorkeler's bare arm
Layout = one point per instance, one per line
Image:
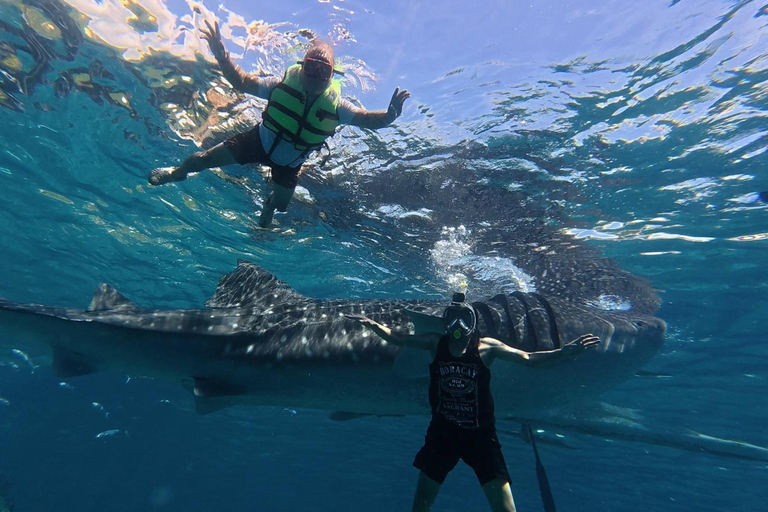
(380, 118)
(427, 341)
(240, 80)
(500, 350)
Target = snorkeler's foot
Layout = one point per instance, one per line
(267, 213)
(163, 175)
(265, 219)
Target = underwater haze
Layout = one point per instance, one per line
(611, 153)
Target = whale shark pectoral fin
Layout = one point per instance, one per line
(211, 393)
(107, 298)
(208, 405)
(205, 387)
(412, 363)
(68, 363)
(424, 322)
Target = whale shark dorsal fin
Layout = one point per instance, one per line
(106, 298)
(425, 322)
(249, 285)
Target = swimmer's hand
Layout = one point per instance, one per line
(213, 36)
(580, 345)
(396, 103)
(165, 175)
(362, 319)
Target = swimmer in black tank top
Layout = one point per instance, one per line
(463, 423)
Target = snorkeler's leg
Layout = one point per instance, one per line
(499, 496)
(278, 200)
(426, 493)
(215, 157)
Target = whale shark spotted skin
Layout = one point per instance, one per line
(260, 342)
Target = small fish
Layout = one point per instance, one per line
(107, 433)
(25, 358)
(655, 375)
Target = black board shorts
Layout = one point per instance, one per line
(247, 149)
(479, 449)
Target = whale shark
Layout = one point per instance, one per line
(259, 342)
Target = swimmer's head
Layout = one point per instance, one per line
(317, 68)
(459, 318)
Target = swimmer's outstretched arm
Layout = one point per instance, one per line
(500, 350)
(240, 80)
(380, 118)
(426, 341)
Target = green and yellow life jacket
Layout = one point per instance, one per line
(285, 112)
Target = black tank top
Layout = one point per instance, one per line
(460, 388)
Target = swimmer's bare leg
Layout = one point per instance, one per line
(499, 496)
(217, 156)
(426, 493)
(278, 200)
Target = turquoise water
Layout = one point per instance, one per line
(629, 131)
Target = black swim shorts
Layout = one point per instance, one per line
(480, 450)
(247, 149)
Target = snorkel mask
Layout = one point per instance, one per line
(459, 318)
(318, 69)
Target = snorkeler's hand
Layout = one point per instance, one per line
(581, 344)
(362, 319)
(213, 36)
(165, 175)
(396, 103)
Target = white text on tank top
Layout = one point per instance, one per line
(458, 396)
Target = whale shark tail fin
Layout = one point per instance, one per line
(107, 298)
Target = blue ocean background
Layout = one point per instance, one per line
(635, 129)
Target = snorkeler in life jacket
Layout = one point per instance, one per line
(463, 424)
(304, 108)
